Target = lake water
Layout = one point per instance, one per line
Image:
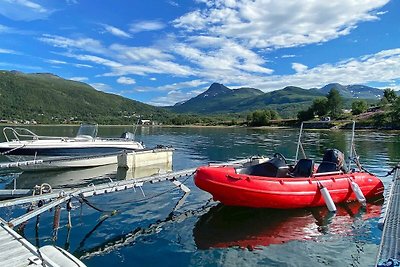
(149, 231)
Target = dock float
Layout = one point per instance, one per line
(389, 249)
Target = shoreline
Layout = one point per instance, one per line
(358, 127)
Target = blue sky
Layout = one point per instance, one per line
(165, 51)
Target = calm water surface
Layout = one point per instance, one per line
(149, 231)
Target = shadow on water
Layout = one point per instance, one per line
(84, 251)
(223, 227)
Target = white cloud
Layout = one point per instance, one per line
(115, 31)
(153, 79)
(177, 86)
(8, 51)
(83, 66)
(298, 67)
(288, 56)
(4, 29)
(96, 60)
(23, 10)
(173, 3)
(276, 23)
(85, 44)
(172, 98)
(125, 80)
(139, 54)
(226, 60)
(100, 86)
(79, 79)
(147, 25)
(58, 62)
(382, 67)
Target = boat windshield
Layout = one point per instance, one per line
(87, 130)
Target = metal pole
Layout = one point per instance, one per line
(298, 143)
(351, 145)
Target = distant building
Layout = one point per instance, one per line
(145, 122)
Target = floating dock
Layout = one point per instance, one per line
(16, 251)
(389, 249)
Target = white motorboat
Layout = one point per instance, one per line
(83, 150)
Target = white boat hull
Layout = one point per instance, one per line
(51, 163)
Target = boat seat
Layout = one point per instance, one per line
(272, 168)
(304, 168)
(327, 166)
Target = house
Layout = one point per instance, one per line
(145, 122)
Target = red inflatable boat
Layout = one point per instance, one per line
(245, 187)
(276, 184)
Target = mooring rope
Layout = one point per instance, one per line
(87, 202)
(392, 170)
(11, 150)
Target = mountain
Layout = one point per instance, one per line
(48, 98)
(354, 91)
(218, 98)
(287, 101)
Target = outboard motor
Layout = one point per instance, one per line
(128, 136)
(337, 157)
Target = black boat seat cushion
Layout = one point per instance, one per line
(327, 166)
(272, 168)
(304, 168)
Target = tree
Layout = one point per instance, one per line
(334, 103)
(396, 112)
(390, 95)
(358, 107)
(305, 115)
(262, 117)
(320, 106)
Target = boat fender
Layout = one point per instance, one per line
(327, 198)
(357, 191)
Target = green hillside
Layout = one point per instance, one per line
(47, 98)
(220, 99)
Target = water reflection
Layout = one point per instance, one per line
(340, 240)
(223, 226)
(81, 177)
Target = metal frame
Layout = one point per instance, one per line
(352, 151)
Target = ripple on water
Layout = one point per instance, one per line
(150, 232)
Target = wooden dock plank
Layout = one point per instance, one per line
(13, 251)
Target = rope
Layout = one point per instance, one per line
(392, 170)
(96, 208)
(11, 150)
